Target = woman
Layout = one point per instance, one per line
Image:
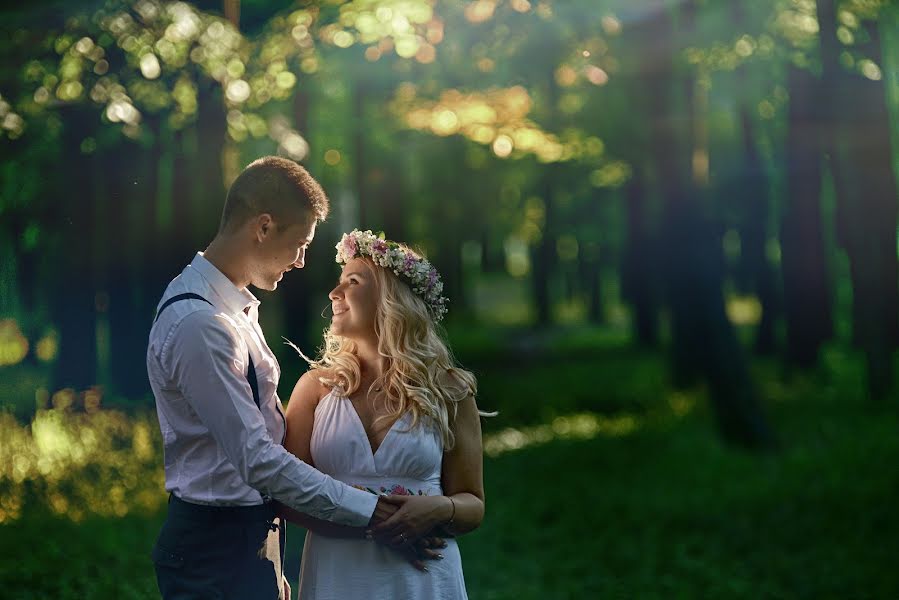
(384, 409)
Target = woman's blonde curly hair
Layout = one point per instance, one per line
(421, 376)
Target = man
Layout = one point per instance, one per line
(215, 382)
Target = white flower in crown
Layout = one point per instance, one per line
(421, 275)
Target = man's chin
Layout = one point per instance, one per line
(268, 286)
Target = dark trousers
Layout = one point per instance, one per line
(221, 553)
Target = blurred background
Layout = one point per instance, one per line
(668, 230)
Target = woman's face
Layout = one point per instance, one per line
(354, 301)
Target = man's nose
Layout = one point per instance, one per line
(300, 262)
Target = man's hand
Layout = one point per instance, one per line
(416, 517)
(423, 549)
(383, 511)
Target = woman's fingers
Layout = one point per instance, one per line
(430, 554)
(432, 541)
(392, 523)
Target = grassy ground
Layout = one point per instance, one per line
(658, 509)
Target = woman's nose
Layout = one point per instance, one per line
(335, 294)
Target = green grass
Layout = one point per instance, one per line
(669, 512)
(665, 511)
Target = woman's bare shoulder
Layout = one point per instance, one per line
(309, 388)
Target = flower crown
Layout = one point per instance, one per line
(421, 275)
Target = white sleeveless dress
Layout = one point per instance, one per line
(406, 462)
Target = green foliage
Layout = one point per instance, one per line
(662, 510)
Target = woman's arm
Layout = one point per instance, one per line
(300, 417)
(463, 471)
(461, 508)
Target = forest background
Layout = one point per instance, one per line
(668, 231)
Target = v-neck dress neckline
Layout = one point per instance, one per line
(407, 462)
(374, 451)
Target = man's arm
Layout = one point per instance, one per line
(300, 417)
(207, 360)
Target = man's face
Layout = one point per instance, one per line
(281, 251)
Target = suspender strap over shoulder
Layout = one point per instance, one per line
(251, 368)
(173, 299)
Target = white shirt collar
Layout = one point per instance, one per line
(235, 299)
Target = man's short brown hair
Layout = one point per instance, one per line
(277, 186)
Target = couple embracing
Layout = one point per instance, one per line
(378, 454)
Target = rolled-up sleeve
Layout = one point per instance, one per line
(208, 361)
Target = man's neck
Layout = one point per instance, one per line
(226, 254)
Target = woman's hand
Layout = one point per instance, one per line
(416, 517)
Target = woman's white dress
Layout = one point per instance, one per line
(407, 461)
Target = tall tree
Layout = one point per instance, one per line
(807, 290)
(74, 297)
(704, 343)
(857, 130)
(638, 272)
(751, 189)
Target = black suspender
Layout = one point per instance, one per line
(251, 369)
(173, 299)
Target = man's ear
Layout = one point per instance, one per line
(264, 226)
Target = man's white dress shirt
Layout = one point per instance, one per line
(220, 449)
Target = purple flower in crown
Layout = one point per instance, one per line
(408, 264)
(379, 246)
(421, 276)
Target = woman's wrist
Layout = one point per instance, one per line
(448, 523)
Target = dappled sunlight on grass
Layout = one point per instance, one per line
(78, 464)
(584, 426)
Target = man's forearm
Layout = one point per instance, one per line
(300, 486)
(318, 526)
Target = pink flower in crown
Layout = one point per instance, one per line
(379, 246)
(349, 246)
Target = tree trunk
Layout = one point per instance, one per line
(359, 164)
(807, 296)
(752, 195)
(859, 149)
(144, 261)
(542, 255)
(703, 339)
(590, 271)
(74, 299)
(297, 306)
(209, 181)
(638, 271)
